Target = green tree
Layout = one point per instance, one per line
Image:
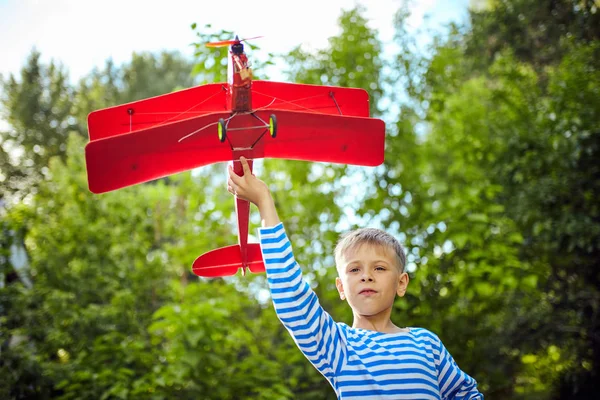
(534, 30)
(146, 75)
(37, 109)
(352, 59)
(84, 320)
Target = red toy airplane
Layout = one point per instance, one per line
(159, 136)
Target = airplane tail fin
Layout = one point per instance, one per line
(227, 260)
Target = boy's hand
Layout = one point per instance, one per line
(248, 187)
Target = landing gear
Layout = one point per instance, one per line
(222, 127)
(222, 130)
(273, 125)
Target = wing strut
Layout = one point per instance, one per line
(332, 95)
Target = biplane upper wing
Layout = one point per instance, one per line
(140, 156)
(316, 99)
(159, 110)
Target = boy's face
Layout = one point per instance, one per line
(370, 278)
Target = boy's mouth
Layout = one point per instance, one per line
(367, 292)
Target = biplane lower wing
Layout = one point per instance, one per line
(127, 159)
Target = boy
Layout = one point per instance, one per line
(374, 358)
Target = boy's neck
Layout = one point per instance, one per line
(383, 325)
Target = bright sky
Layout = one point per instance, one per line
(82, 33)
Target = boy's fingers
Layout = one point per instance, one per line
(233, 177)
(232, 184)
(232, 189)
(245, 165)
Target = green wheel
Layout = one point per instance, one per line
(273, 125)
(222, 130)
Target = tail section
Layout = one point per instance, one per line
(227, 260)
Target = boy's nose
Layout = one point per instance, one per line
(367, 277)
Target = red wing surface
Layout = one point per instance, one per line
(326, 138)
(159, 110)
(310, 98)
(147, 154)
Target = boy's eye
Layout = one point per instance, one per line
(354, 270)
(380, 268)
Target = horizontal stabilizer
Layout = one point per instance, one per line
(227, 260)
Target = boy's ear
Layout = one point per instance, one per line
(402, 284)
(340, 288)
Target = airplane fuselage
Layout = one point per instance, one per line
(240, 80)
(239, 98)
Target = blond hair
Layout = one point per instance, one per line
(371, 236)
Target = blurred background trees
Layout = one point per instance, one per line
(491, 181)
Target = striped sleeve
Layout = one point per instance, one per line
(297, 306)
(453, 382)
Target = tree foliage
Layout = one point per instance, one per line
(38, 111)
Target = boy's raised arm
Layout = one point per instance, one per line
(296, 304)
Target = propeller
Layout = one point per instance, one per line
(224, 43)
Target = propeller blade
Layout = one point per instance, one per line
(224, 43)
(252, 38)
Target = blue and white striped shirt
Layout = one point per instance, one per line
(358, 363)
